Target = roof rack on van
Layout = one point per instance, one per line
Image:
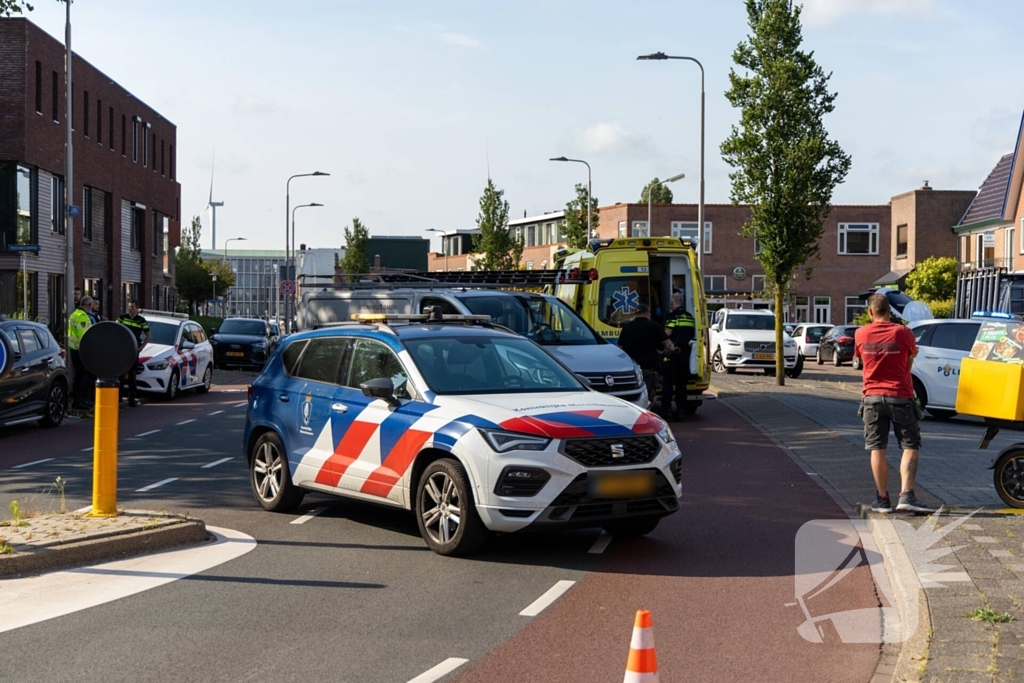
(446, 279)
(164, 314)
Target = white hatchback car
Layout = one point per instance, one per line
(807, 336)
(177, 357)
(942, 345)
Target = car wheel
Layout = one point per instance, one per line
(716, 362)
(445, 511)
(797, 369)
(56, 403)
(632, 528)
(1008, 476)
(836, 361)
(940, 414)
(172, 386)
(270, 477)
(856, 363)
(818, 357)
(769, 371)
(207, 380)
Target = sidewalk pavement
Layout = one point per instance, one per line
(818, 423)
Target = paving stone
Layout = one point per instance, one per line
(970, 527)
(1000, 553)
(985, 539)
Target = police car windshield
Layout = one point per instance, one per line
(254, 328)
(750, 322)
(162, 333)
(546, 321)
(488, 365)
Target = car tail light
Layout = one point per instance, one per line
(63, 354)
(249, 392)
(574, 274)
(845, 340)
(592, 274)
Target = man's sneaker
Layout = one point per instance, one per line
(883, 505)
(910, 503)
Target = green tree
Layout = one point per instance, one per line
(9, 7)
(576, 219)
(192, 275)
(660, 195)
(499, 248)
(934, 279)
(356, 261)
(785, 165)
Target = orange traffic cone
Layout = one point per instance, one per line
(642, 665)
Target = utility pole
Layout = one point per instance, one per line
(69, 182)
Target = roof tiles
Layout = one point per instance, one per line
(989, 203)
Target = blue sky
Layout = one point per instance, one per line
(404, 103)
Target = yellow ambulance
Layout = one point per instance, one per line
(628, 271)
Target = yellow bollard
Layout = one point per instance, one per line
(104, 458)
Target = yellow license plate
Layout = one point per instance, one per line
(236, 353)
(764, 356)
(622, 485)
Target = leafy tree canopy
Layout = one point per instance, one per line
(934, 279)
(499, 248)
(576, 218)
(660, 195)
(356, 260)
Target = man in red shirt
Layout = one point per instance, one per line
(886, 350)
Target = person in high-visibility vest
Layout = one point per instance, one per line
(78, 323)
(675, 369)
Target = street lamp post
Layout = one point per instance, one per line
(444, 244)
(650, 191)
(69, 187)
(287, 243)
(213, 277)
(294, 243)
(580, 161)
(658, 56)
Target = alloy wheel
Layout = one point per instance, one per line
(268, 472)
(441, 511)
(55, 406)
(716, 361)
(1011, 476)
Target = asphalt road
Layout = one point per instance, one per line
(352, 594)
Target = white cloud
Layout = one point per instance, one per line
(827, 12)
(614, 138)
(461, 40)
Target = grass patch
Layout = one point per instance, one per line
(989, 615)
(6, 549)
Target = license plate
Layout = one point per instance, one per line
(621, 485)
(238, 354)
(764, 356)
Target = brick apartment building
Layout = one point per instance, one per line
(124, 173)
(862, 246)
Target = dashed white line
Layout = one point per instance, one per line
(151, 431)
(440, 671)
(29, 464)
(153, 486)
(215, 463)
(601, 543)
(184, 422)
(240, 405)
(545, 601)
(308, 516)
(82, 511)
(216, 412)
(86, 450)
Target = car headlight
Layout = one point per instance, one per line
(639, 373)
(259, 346)
(503, 442)
(789, 343)
(666, 435)
(159, 365)
(733, 342)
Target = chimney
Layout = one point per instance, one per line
(524, 213)
(926, 186)
(302, 247)
(376, 262)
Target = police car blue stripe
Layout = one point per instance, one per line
(399, 422)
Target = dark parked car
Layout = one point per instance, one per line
(241, 342)
(837, 346)
(33, 375)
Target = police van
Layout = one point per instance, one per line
(626, 272)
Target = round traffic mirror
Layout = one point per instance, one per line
(108, 350)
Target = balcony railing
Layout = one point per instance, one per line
(982, 264)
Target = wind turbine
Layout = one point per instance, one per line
(213, 207)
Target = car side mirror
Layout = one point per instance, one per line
(211, 331)
(187, 345)
(382, 388)
(585, 380)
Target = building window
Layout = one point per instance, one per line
(622, 229)
(87, 213)
(162, 157)
(640, 229)
(99, 121)
(158, 236)
(171, 168)
(803, 309)
(901, 241)
(714, 283)
(757, 283)
(529, 265)
(858, 239)
(166, 229)
(153, 147)
(823, 310)
(688, 230)
(124, 135)
(145, 145)
(56, 96)
(110, 127)
(854, 307)
(135, 139)
(85, 114)
(138, 219)
(57, 205)
(39, 87)
(23, 186)
(1008, 243)
(531, 235)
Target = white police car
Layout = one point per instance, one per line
(941, 346)
(177, 357)
(470, 426)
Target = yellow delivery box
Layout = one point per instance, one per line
(992, 377)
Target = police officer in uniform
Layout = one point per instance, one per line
(140, 328)
(675, 367)
(78, 323)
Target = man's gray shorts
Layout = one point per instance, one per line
(903, 413)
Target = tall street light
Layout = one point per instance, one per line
(287, 244)
(69, 187)
(294, 243)
(580, 161)
(232, 239)
(444, 244)
(650, 191)
(213, 277)
(659, 56)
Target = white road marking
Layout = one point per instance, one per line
(184, 422)
(86, 450)
(309, 515)
(812, 474)
(240, 405)
(601, 543)
(82, 511)
(152, 431)
(215, 463)
(38, 598)
(153, 486)
(29, 464)
(544, 601)
(440, 671)
(216, 412)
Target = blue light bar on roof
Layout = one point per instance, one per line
(991, 314)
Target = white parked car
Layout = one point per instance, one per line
(807, 336)
(178, 356)
(941, 344)
(746, 339)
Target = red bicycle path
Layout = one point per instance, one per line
(717, 577)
